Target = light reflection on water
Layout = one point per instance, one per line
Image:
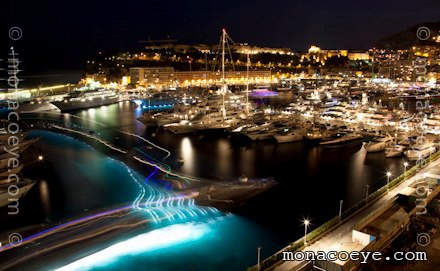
(205, 244)
(187, 153)
(307, 176)
(226, 243)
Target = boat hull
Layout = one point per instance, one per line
(390, 154)
(415, 155)
(77, 105)
(37, 107)
(341, 143)
(288, 138)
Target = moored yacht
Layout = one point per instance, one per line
(264, 134)
(341, 140)
(379, 144)
(87, 99)
(23, 187)
(394, 151)
(183, 127)
(420, 151)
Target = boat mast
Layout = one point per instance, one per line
(247, 84)
(223, 73)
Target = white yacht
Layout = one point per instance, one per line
(394, 151)
(87, 99)
(379, 144)
(420, 151)
(37, 106)
(217, 119)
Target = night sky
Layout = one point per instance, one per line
(62, 34)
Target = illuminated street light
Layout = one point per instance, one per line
(40, 158)
(258, 252)
(388, 180)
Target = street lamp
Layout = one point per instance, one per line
(366, 197)
(40, 158)
(388, 180)
(306, 223)
(258, 255)
(405, 165)
(340, 210)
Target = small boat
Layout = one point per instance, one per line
(5, 136)
(4, 163)
(394, 151)
(19, 148)
(379, 144)
(23, 187)
(8, 172)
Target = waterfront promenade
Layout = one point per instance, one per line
(340, 239)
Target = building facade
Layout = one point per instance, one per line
(166, 76)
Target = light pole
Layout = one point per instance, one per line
(405, 165)
(306, 223)
(366, 197)
(258, 255)
(340, 210)
(388, 180)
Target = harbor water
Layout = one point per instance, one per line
(311, 183)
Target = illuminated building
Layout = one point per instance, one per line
(359, 55)
(166, 76)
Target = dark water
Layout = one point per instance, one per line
(311, 181)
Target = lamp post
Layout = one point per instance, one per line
(405, 166)
(366, 196)
(340, 210)
(258, 255)
(306, 223)
(388, 180)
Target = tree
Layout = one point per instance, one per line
(336, 61)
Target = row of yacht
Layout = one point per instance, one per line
(12, 184)
(321, 116)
